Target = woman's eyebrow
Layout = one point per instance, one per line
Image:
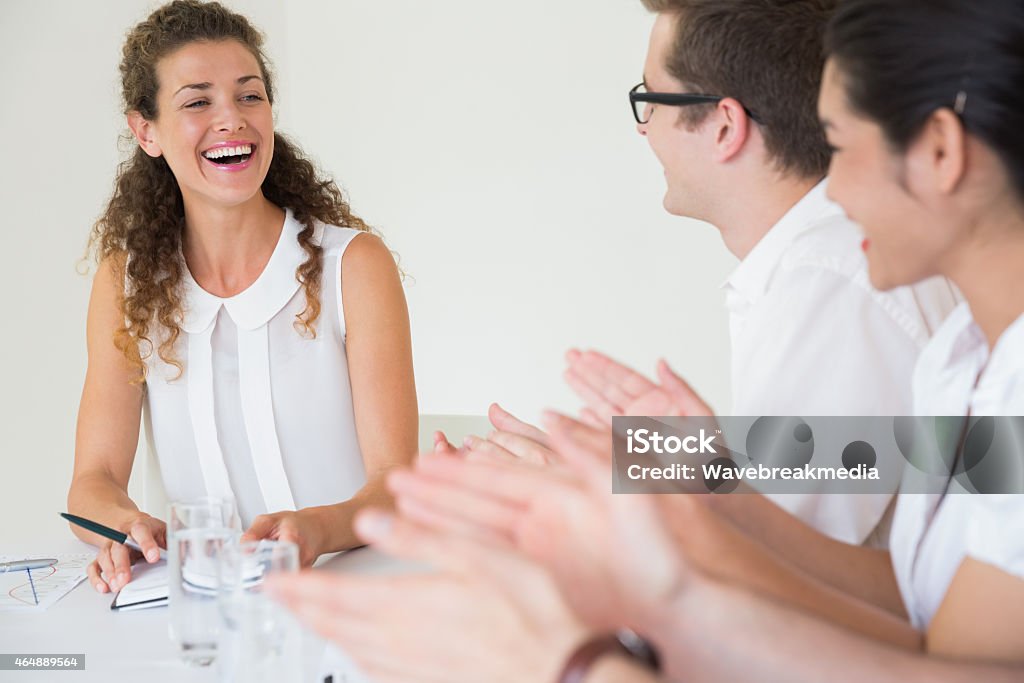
(206, 85)
(194, 86)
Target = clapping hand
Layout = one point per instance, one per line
(610, 388)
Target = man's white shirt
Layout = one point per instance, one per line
(810, 336)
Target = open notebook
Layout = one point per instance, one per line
(148, 588)
(149, 584)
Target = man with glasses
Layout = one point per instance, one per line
(728, 106)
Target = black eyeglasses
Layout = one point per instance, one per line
(639, 98)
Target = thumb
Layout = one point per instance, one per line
(442, 444)
(143, 535)
(262, 527)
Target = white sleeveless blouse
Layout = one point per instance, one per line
(262, 412)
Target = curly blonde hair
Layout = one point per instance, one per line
(140, 231)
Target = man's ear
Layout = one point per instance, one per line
(938, 157)
(145, 133)
(733, 128)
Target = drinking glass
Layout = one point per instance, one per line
(259, 639)
(196, 532)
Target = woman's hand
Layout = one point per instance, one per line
(487, 614)
(616, 558)
(304, 528)
(112, 568)
(610, 388)
(511, 440)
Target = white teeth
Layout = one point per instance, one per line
(227, 151)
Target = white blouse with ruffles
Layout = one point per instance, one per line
(263, 411)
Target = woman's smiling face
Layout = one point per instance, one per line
(214, 123)
(890, 195)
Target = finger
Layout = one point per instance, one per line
(340, 594)
(515, 482)
(407, 540)
(289, 534)
(585, 447)
(575, 430)
(456, 522)
(484, 449)
(442, 444)
(594, 399)
(506, 421)
(589, 417)
(619, 383)
(689, 402)
(522, 447)
(93, 573)
(143, 535)
(401, 537)
(263, 526)
(495, 456)
(106, 564)
(348, 631)
(120, 555)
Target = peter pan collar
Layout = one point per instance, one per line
(257, 304)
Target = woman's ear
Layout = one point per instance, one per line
(145, 133)
(939, 155)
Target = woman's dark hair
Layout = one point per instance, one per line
(140, 231)
(902, 60)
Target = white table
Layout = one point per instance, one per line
(132, 646)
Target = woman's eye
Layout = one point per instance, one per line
(252, 98)
(196, 104)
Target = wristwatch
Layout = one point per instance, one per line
(623, 642)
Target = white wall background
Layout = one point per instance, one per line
(490, 143)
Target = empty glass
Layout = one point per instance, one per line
(197, 530)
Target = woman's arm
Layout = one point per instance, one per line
(106, 439)
(379, 351)
(865, 573)
(718, 632)
(981, 616)
(380, 369)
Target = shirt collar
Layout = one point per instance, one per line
(751, 277)
(968, 348)
(258, 303)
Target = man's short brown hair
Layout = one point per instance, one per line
(769, 55)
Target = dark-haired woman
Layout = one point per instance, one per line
(240, 305)
(922, 104)
(922, 101)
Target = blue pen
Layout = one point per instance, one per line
(33, 584)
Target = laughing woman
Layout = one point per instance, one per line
(239, 305)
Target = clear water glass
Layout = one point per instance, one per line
(259, 639)
(197, 530)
